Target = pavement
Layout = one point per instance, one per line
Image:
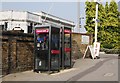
(103, 69)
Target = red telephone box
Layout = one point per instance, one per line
(47, 48)
(53, 48)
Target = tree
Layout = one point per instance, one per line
(111, 25)
(106, 7)
(108, 30)
(90, 14)
(101, 24)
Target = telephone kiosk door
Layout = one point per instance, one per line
(47, 48)
(67, 47)
(41, 48)
(55, 48)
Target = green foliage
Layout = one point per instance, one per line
(110, 51)
(90, 25)
(108, 30)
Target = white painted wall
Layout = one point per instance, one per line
(1, 23)
(5, 15)
(22, 19)
(19, 15)
(22, 25)
(18, 19)
(33, 17)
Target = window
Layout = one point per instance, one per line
(4, 27)
(30, 28)
(1, 27)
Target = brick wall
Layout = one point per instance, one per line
(77, 37)
(17, 50)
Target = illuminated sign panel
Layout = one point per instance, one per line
(39, 31)
(67, 31)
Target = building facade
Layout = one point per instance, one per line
(24, 20)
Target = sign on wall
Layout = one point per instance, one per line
(85, 39)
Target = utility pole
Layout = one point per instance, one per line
(96, 44)
(96, 21)
(78, 15)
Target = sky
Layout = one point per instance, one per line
(53, 0)
(66, 9)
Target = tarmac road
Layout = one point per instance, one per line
(103, 69)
